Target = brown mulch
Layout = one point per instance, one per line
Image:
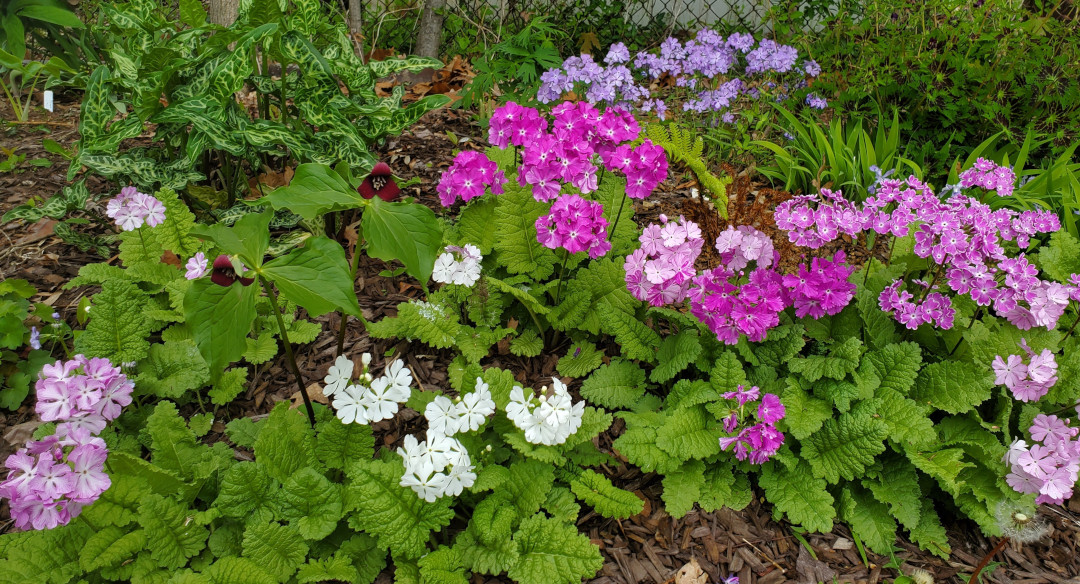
(648, 548)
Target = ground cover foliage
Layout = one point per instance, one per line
(924, 383)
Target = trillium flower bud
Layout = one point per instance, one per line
(380, 183)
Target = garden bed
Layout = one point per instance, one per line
(649, 547)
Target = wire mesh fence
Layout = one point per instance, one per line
(639, 23)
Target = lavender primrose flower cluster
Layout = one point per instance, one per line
(1030, 381)
(50, 480)
(580, 138)
(130, 209)
(731, 299)
(698, 64)
(760, 441)
(1048, 468)
(961, 236)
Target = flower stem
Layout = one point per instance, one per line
(288, 350)
(562, 271)
(617, 217)
(353, 267)
(1072, 328)
(986, 560)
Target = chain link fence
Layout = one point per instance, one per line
(639, 23)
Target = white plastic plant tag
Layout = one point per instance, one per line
(47, 100)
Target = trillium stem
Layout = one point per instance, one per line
(288, 350)
(354, 265)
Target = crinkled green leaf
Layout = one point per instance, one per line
(515, 241)
(311, 503)
(261, 349)
(689, 433)
(339, 444)
(580, 359)
(907, 420)
(118, 329)
(953, 386)
(486, 545)
(636, 340)
(172, 369)
(111, 546)
(799, 494)
(869, 519)
(608, 500)
(248, 493)
(395, 515)
(842, 360)
(228, 386)
(171, 534)
(619, 384)
(234, 570)
(676, 352)
(286, 443)
(845, 446)
(442, 566)
(277, 549)
(553, 553)
(682, 488)
(897, 365)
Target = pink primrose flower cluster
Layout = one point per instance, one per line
(1030, 381)
(50, 480)
(574, 224)
(573, 149)
(1048, 467)
(990, 176)
(729, 298)
(962, 237)
(130, 209)
(759, 441)
(468, 177)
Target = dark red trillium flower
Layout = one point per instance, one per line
(380, 183)
(224, 274)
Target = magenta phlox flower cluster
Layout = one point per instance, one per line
(699, 64)
(1047, 468)
(130, 209)
(756, 442)
(962, 237)
(50, 480)
(990, 176)
(574, 224)
(661, 271)
(1030, 381)
(470, 175)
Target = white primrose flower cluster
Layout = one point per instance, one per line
(440, 465)
(450, 270)
(366, 404)
(546, 419)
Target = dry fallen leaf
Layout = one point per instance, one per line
(691, 573)
(314, 391)
(18, 434)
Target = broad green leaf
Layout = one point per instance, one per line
(339, 445)
(407, 232)
(220, 319)
(619, 384)
(286, 443)
(311, 503)
(248, 493)
(608, 500)
(248, 238)
(171, 533)
(799, 494)
(553, 553)
(953, 386)
(316, 277)
(118, 329)
(676, 352)
(682, 488)
(845, 446)
(869, 519)
(314, 190)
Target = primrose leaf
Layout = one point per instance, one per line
(228, 386)
(286, 443)
(316, 277)
(407, 232)
(516, 213)
(619, 384)
(172, 369)
(552, 552)
(172, 535)
(607, 499)
(869, 518)
(277, 549)
(247, 493)
(676, 352)
(799, 494)
(118, 328)
(312, 503)
(395, 515)
(845, 446)
(953, 386)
